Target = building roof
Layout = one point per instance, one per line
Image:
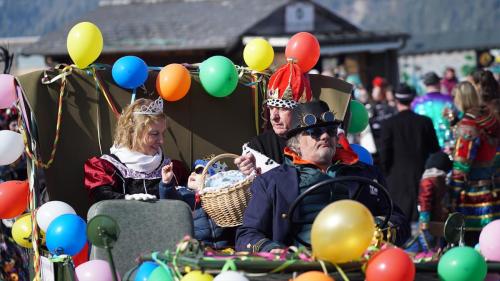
(165, 26)
(28, 18)
(134, 26)
(434, 26)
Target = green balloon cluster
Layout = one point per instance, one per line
(462, 264)
(218, 76)
(359, 117)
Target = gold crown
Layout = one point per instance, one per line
(154, 108)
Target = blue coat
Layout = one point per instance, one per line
(265, 221)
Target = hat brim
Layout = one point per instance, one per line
(295, 131)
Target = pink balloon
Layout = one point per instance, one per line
(95, 270)
(489, 241)
(7, 91)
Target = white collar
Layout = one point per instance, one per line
(137, 161)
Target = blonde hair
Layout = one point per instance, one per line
(131, 127)
(466, 97)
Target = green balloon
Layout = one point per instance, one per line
(160, 274)
(359, 117)
(462, 264)
(218, 76)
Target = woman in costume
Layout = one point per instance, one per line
(472, 181)
(136, 168)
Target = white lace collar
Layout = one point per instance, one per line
(137, 161)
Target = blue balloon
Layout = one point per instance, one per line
(66, 234)
(363, 154)
(130, 72)
(145, 270)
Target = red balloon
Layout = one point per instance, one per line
(82, 256)
(390, 264)
(13, 198)
(304, 48)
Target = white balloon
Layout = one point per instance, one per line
(11, 147)
(50, 211)
(230, 276)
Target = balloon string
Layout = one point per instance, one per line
(339, 270)
(34, 225)
(98, 124)
(283, 266)
(21, 104)
(34, 238)
(229, 264)
(154, 256)
(174, 262)
(97, 80)
(255, 94)
(38, 162)
(133, 95)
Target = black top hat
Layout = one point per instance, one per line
(311, 115)
(431, 78)
(404, 93)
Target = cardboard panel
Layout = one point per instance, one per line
(335, 92)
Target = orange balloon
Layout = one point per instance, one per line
(313, 276)
(173, 82)
(13, 198)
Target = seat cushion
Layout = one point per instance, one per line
(145, 227)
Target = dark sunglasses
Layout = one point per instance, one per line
(311, 119)
(317, 132)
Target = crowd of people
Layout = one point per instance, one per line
(453, 120)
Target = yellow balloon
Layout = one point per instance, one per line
(21, 231)
(197, 275)
(258, 54)
(342, 231)
(84, 43)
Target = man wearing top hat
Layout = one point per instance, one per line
(407, 141)
(311, 156)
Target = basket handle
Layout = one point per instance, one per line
(211, 162)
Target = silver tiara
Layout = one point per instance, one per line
(153, 108)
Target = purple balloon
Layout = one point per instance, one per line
(95, 270)
(489, 241)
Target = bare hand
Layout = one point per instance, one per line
(167, 173)
(245, 163)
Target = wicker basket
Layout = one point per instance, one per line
(226, 206)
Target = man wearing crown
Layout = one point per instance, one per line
(136, 168)
(288, 86)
